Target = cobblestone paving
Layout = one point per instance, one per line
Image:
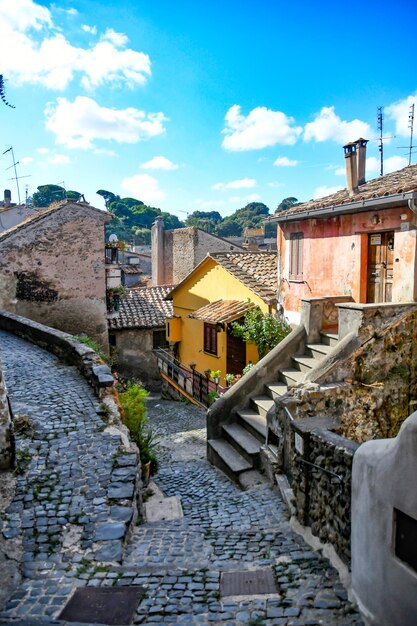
(178, 562)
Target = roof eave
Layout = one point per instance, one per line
(351, 207)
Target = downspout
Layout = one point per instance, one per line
(412, 206)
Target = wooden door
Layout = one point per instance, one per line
(380, 266)
(236, 354)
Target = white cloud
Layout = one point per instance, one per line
(329, 126)
(78, 124)
(43, 150)
(143, 186)
(340, 171)
(275, 185)
(59, 159)
(323, 191)
(104, 152)
(117, 39)
(392, 164)
(260, 129)
(26, 160)
(399, 112)
(285, 162)
(92, 30)
(159, 163)
(43, 56)
(242, 183)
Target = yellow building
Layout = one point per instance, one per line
(219, 291)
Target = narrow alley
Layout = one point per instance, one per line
(72, 503)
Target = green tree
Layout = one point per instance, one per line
(47, 194)
(286, 203)
(262, 329)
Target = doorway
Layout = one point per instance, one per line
(380, 266)
(236, 354)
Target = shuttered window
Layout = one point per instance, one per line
(296, 256)
(210, 339)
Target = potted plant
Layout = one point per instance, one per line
(212, 397)
(215, 375)
(230, 379)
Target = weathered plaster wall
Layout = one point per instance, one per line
(134, 355)
(6, 429)
(384, 479)
(53, 271)
(335, 256)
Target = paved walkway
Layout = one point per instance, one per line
(178, 562)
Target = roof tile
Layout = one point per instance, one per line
(143, 308)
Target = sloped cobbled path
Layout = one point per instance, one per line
(178, 562)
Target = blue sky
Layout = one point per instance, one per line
(188, 105)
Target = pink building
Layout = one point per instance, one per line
(358, 242)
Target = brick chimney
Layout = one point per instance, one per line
(157, 252)
(7, 198)
(361, 159)
(351, 168)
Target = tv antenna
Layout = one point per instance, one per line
(410, 147)
(380, 119)
(15, 177)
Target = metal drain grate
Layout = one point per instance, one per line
(103, 605)
(248, 583)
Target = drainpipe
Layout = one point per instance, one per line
(413, 206)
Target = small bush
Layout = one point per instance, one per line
(136, 420)
(94, 345)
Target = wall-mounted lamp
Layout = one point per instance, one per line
(403, 217)
(375, 219)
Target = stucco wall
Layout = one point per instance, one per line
(53, 271)
(134, 356)
(335, 257)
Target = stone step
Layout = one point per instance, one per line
(277, 389)
(254, 423)
(306, 363)
(319, 349)
(329, 339)
(291, 376)
(239, 435)
(251, 479)
(233, 462)
(262, 404)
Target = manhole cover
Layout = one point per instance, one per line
(248, 583)
(103, 605)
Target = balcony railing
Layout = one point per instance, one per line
(193, 383)
(111, 255)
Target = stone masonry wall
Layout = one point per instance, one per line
(52, 270)
(6, 430)
(322, 490)
(134, 355)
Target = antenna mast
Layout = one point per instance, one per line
(411, 127)
(16, 178)
(381, 144)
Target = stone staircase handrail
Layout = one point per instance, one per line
(237, 397)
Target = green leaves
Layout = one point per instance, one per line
(262, 329)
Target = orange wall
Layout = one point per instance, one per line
(335, 256)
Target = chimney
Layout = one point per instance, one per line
(7, 198)
(361, 159)
(157, 251)
(351, 168)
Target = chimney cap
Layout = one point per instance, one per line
(361, 141)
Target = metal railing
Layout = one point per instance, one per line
(192, 382)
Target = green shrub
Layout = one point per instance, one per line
(136, 420)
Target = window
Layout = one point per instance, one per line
(296, 256)
(159, 339)
(210, 339)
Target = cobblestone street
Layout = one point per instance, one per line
(72, 499)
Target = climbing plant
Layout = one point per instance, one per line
(262, 329)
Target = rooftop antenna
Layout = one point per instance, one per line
(380, 119)
(15, 177)
(410, 147)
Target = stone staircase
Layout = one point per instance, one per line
(237, 452)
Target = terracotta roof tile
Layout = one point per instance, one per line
(256, 270)
(143, 308)
(395, 183)
(221, 311)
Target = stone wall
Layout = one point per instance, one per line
(52, 270)
(134, 355)
(322, 490)
(6, 429)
